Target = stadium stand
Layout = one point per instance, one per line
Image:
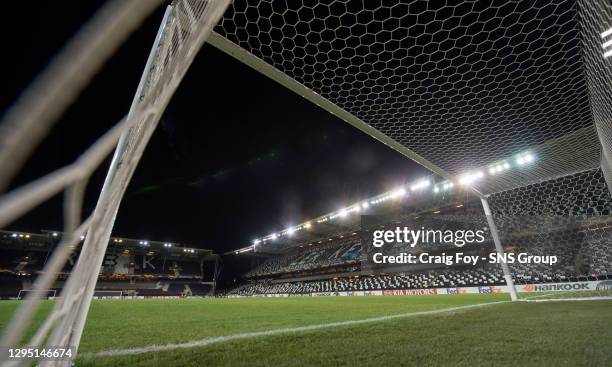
(130, 267)
(339, 253)
(432, 279)
(340, 264)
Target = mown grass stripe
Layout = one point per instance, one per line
(214, 340)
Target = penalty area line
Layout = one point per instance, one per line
(298, 329)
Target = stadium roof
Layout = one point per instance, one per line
(48, 239)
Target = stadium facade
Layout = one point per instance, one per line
(131, 268)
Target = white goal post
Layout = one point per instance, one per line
(44, 294)
(185, 27)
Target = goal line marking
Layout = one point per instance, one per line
(299, 329)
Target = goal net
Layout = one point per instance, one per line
(566, 222)
(184, 28)
(44, 294)
(510, 100)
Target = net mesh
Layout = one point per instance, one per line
(569, 218)
(462, 84)
(466, 87)
(596, 18)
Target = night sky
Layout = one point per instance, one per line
(235, 156)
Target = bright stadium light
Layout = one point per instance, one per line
(500, 167)
(524, 159)
(365, 205)
(307, 225)
(343, 213)
(256, 242)
(420, 185)
(470, 178)
(290, 231)
(273, 236)
(399, 192)
(14, 235)
(607, 44)
(54, 234)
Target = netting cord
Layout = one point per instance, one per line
(37, 109)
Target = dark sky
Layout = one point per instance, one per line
(235, 156)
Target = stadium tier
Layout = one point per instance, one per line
(130, 267)
(342, 260)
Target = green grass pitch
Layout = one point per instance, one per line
(504, 334)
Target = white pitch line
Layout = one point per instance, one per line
(221, 339)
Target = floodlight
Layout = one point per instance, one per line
(524, 159)
(307, 225)
(420, 185)
(470, 178)
(365, 205)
